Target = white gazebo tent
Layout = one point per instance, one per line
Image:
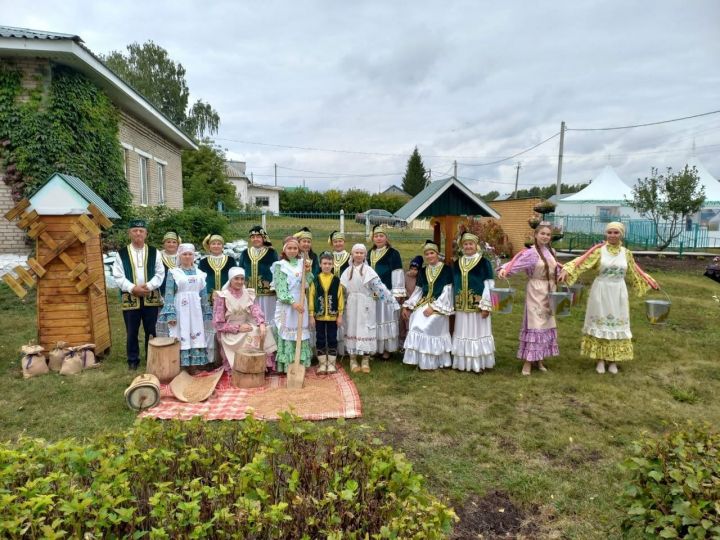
(708, 181)
(606, 197)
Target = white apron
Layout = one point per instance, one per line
(237, 311)
(190, 327)
(360, 313)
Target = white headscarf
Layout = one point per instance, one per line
(185, 248)
(233, 272)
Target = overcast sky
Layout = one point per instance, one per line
(471, 81)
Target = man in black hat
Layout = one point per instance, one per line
(139, 272)
(257, 261)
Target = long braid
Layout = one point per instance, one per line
(538, 248)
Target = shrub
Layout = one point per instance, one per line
(192, 224)
(674, 487)
(491, 232)
(200, 479)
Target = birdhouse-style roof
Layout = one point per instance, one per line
(448, 197)
(64, 194)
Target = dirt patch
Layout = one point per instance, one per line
(494, 516)
(673, 263)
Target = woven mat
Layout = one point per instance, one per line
(322, 397)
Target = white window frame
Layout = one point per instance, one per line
(161, 182)
(266, 198)
(143, 179)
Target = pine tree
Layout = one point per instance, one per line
(415, 179)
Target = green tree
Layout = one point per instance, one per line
(149, 69)
(667, 200)
(415, 179)
(490, 195)
(205, 181)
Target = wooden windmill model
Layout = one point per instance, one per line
(65, 218)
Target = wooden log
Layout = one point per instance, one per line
(27, 219)
(25, 276)
(35, 266)
(100, 218)
(17, 209)
(14, 285)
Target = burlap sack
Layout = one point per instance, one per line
(72, 363)
(87, 353)
(55, 358)
(33, 363)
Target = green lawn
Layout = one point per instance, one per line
(551, 442)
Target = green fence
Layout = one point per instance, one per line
(583, 231)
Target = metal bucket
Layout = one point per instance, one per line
(502, 298)
(560, 303)
(657, 311)
(576, 290)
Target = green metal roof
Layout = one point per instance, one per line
(447, 197)
(86, 193)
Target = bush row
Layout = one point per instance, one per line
(216, 480)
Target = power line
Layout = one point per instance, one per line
(644, 125)
(510, 157)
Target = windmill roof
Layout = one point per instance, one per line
(445, 197)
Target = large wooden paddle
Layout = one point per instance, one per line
(296, 371)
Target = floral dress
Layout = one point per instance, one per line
(286, 282)
(538, 335)
(186, 304)
(607, 334)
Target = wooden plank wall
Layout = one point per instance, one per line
(64, 314)
(514, 215)
(98, 302)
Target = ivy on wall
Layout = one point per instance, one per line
(68, 125)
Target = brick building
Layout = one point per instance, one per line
(151, 144)
(514, 221)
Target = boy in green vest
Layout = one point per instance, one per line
(326, 306)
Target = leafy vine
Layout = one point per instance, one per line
(68, 126)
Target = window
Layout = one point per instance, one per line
(262, 201)
(125, 157)
(608, 213)
(161, 183)
(144, 186)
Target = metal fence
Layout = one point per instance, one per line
(321, 224)
(582, 231)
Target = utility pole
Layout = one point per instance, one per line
(276, 174)
(455, 169)
(252, 178)
(429, 175)
(517, 176)
(560, 157)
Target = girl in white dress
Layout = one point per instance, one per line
(428, 343)
(473, 346)
(187, 311)
(361, 283)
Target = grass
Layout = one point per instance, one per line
(551, 441)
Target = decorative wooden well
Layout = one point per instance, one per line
(65, 218)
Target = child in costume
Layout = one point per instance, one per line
(341, 260)
(215, 264)
(256, 261)
(361, 283)
(240, 322)
(287, 273)
(326, 303)
(304, 237)
(428, 343)
(386, 262)
(410, 282)
(538, 335)
(187, 311)
(606, 332)
(473, 346)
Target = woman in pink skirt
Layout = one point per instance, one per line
(538, 335)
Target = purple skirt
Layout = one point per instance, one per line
(535, 345)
